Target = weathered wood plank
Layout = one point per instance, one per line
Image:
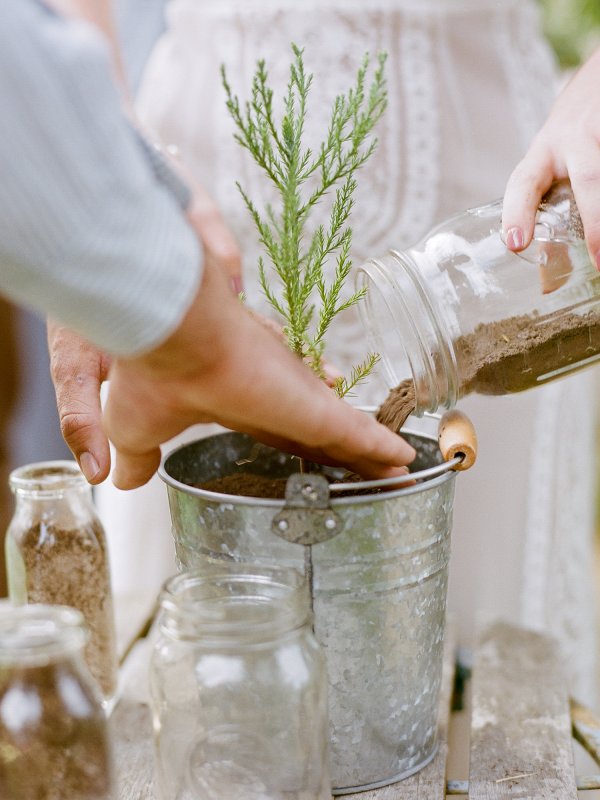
(131, 733)
(430, 782)
(520, 723)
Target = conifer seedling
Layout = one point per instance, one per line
(304, 179)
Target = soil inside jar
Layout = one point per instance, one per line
(52, 752)
(70, 567)
(508, 356)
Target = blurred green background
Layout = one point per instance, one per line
(573, 27)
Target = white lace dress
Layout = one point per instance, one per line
(470, 82)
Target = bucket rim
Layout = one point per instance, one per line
(428, 477)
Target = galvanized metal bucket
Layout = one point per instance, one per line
(379, 588)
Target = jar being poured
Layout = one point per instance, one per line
(460, 313)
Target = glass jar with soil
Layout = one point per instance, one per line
(53, 733)
(56, 554)
(460, 313)
(239, 687)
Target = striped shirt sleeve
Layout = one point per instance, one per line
(91, 228)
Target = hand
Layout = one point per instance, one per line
(567, 146)
(78, 368)
(223, 366)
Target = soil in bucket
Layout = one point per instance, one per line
(508, 356)
(245, 484)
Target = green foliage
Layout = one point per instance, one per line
(302, 178)
(573, 28)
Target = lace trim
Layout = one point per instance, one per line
(557, 583)
(523, 52)
(422, 130)
(437, 7)
(540, 509)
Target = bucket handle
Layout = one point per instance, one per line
(458, 444)
(457, 438)
(307, 518)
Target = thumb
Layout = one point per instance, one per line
(134, 469)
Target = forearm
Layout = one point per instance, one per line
(87, 232)
(100, 14)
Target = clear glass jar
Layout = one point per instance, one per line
(56, 554)
(239, 688)
(53, 732)
(460, 313)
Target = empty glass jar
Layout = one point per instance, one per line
(238, 686)
(53, 735)
(460, 313)
(56, 554)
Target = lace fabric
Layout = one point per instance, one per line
(470, 81)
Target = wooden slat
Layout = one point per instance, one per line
(430, 782)
(131, 731)
(131, 727)
(520, 725)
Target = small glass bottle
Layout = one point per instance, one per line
(460, 313)
(53, 731)
(56, 554)
(239, 688)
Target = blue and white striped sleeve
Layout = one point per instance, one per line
(89, 233)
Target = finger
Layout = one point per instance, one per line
(77, 369)
(584, 172)
(219, 243)
(530, 179)
(555, 268)
(331, 373)
(134, 469)
(368, 448)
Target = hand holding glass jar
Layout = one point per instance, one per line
(460, 313)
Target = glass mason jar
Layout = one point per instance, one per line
(239, 688)
(56, 554)
(460, 313)
(53, 732)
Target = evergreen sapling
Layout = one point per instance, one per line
(302, 179)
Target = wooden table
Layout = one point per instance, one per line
(522, 724)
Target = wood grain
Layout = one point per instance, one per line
(520, 724)
(131, 733)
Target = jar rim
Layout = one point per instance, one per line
(235, 601)
(37, 634)
(47, 479)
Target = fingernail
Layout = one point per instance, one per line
(237, 285)
(89, 466)
(514, 238)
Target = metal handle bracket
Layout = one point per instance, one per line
(306, 518)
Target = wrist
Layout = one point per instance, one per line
(202, 337)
